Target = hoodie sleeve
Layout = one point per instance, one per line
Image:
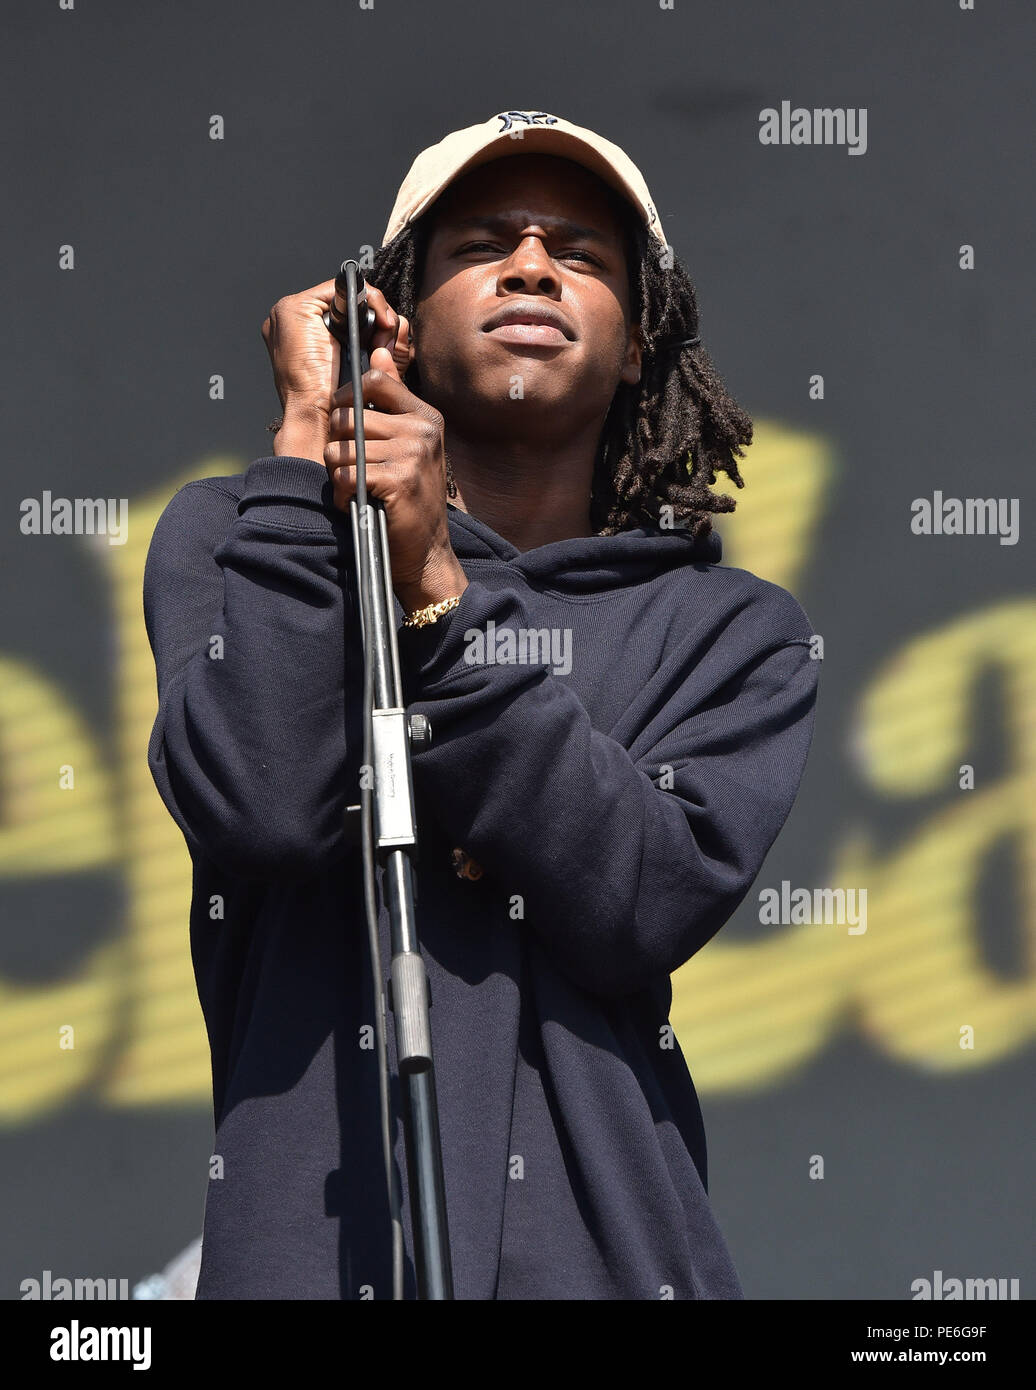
(244, 606)
(628, 856)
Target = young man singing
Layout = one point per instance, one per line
(543, 426)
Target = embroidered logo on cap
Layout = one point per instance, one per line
(529, 117)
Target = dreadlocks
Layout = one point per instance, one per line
(664, 439)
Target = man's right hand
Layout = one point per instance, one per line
(306, 360)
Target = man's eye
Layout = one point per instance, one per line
(497, 250)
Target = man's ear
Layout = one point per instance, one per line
(634, 352)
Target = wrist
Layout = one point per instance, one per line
(304, 432)
(288, 443)
(442, 583)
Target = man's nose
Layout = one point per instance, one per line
(530, 268)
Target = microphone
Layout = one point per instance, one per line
(336, 321)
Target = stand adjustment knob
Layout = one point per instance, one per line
(420, 729)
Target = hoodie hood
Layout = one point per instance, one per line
(584, 564)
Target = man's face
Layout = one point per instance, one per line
(524, 237)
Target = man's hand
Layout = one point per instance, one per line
(306, 360)
(406, 470)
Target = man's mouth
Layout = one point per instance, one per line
(530, 325)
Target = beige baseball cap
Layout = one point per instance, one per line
(511, 133)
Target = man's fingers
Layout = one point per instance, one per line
(401, 350)
(385, 392)
(392, 332)
(381, 462)
(377, 424)
(386, 320)
(390, 343)
(322, 294)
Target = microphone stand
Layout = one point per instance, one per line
(388, 733)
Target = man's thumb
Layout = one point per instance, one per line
(383, 359)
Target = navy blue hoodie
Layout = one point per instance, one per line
(619, 789)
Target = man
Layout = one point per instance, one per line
(619, 729)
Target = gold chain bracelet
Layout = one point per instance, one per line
(423, 616)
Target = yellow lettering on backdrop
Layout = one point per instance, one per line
(46, 830)
(140, 981)
(921, 970)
